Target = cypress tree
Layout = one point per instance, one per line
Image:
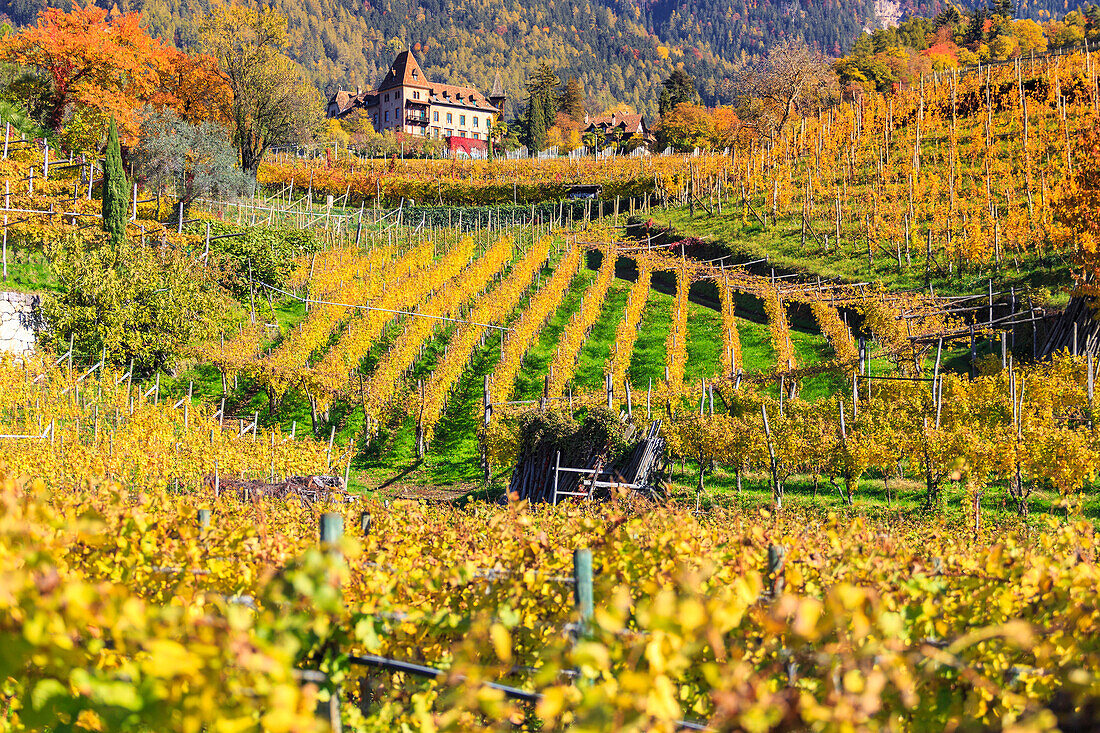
(536, 132)
(116, 193)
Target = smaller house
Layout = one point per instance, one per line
(343, 102)
(618, 126)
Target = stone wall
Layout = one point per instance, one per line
(20, 320)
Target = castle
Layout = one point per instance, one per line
(406, 101)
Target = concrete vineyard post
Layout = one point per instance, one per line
(330, 530)
(582, 580)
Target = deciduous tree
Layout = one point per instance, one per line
(89, 60)
(571, 101)
(193, 86)
(272, 102)
(134, 302)
(685, 127)
(790, 78)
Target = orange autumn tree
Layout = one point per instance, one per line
(88, 60)
(193, 86)
(1076, 210)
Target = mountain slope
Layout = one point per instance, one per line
(619, 49)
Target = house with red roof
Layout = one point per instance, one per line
(406, 101)
(618, 126)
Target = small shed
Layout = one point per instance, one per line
(583, 192)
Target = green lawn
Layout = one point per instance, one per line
(28, 272)
(905, 497)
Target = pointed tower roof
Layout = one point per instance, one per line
(404, 72)
(498, 90)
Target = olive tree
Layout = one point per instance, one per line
(196, 160)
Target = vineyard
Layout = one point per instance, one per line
(946, 183)
(731, 620)
(874, 508)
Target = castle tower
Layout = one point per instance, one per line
(497, 96)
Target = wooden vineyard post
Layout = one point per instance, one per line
(364, 523)
(582, 585)
(777, 490)
(972, 351)
(485, 424)
(777, 560)
(1091, 386)
(204, 519)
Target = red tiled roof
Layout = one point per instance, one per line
(450, 94)
(630, 123)
(346, 101)
(404, 72)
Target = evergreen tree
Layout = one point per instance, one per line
(664, 103)
(116, 198)
(679, 87)
(536, 125)
(542, 105)
(975, 33)
(544, 85)
(571, 101)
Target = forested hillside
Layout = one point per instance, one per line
(620, 50)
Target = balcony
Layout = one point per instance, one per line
(416, 118)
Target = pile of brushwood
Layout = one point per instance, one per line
(611, 451)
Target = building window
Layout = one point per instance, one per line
(416, 95)
(387, 115)
(462, 120)
(387, 97)
(435, 116)
(449, 118)
(475, 120)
